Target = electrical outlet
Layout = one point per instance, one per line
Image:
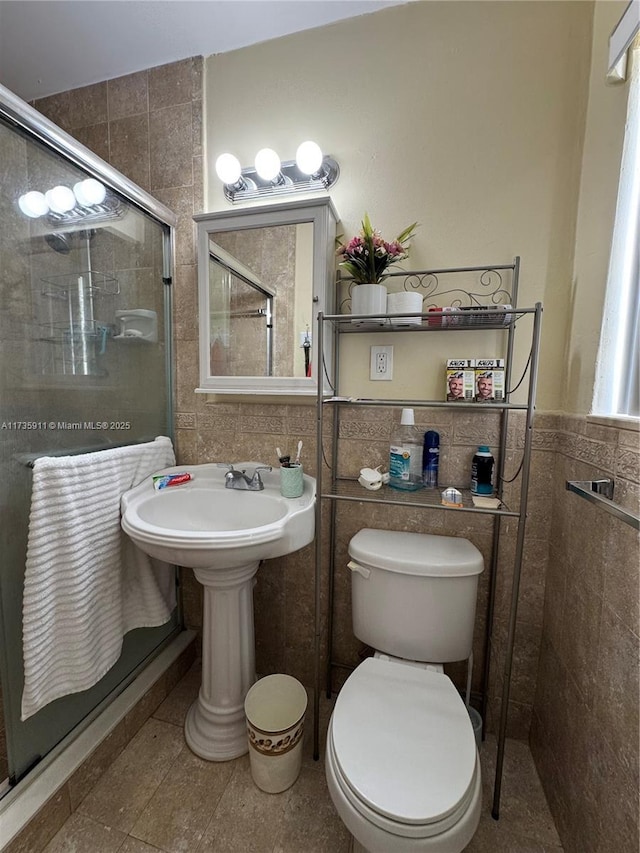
(381, 363)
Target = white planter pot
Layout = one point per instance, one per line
(370, 299)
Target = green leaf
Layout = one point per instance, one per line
(407, 234)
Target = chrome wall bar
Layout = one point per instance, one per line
(318, 555)
(424, 404)
(502, 461)
(600, 493)
(480, 268)
(513, 613)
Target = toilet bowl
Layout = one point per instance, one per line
(402, 765)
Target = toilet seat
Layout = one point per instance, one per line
(403, 749)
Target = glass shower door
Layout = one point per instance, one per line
(84, 365)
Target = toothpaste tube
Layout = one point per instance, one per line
(162, 481)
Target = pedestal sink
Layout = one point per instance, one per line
(222, 534)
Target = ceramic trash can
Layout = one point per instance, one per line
(275, 708)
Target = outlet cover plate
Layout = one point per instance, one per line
(381, 365)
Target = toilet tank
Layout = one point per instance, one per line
(413, 594)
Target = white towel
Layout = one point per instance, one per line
(86, 584)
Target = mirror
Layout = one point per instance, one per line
(264, 273)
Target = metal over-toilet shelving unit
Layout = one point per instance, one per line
(480, 294)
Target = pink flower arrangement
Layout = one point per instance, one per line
(368, 256)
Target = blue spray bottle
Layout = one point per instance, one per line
(430, 459)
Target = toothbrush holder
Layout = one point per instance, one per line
(291, 481)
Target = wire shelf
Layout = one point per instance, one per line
(348, 489)
(60, 286)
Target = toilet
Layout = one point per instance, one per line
(402, 764)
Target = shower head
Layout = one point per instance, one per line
(59, 243)
(64, 241)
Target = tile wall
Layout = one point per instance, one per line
(584, 733)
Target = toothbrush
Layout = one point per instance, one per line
(283, 460)
(297, 459)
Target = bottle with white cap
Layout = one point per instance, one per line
(405, 458)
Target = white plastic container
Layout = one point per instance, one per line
(275, 708)
(405, 303)
(414, 594)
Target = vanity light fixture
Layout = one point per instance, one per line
(60, 199)
(89, 200)
(33, 204)
(311, 170)
(267, 165)
(89, 192)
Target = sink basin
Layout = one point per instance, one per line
(222, 534)
(201, 524)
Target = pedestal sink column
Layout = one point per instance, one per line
(215, 727)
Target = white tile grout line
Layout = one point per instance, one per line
(19, 806)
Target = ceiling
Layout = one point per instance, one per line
(49, 46)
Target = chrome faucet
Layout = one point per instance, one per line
(235, 479)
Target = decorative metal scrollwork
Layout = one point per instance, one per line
(483, 287)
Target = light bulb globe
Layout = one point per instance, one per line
(60, 199)
(89, 192)
(33, 204)
(228, 169)
(267, 164)
(309, 157)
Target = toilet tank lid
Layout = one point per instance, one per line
(416, 553)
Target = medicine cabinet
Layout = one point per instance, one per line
(264, 273)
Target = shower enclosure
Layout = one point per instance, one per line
(85, 259)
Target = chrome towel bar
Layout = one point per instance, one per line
(600, 492)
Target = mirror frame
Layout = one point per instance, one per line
(322, 214)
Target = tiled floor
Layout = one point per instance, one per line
(157, 795)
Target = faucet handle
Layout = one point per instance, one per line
(257, 479)
(231, 471)
(231, 475)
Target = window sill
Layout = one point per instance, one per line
(619, 421)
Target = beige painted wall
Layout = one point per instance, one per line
(466, 116)
(598, 192)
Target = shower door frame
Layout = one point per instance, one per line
(19, 114)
